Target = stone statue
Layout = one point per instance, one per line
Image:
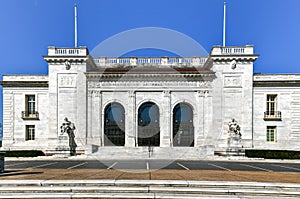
(68, 127)
(234, 128)
(234, 140)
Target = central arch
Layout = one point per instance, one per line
(114, 125)
(148, 125)
(183, 128)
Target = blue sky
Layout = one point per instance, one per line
(29, 27)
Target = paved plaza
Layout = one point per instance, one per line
(150, 169)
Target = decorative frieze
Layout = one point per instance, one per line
(152, 84)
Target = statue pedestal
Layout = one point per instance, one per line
(234, 146)
(63, 149)
(234, 141)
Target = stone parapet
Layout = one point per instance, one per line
(54, 51)
(150, 61)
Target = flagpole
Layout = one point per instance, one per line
(75, 25)
(224, 25)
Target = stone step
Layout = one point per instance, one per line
(152, 189)
(124, 195)
(141, 188)
(146, 183)
(155, 152)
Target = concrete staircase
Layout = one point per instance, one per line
(154, 152)
(144, 189)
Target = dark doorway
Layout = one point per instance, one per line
(148, 125)
(114, 125)
(183, 128)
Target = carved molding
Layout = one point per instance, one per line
(154, 84)
(203, 93)
(94, 93)
(131, 93)
(167, 93)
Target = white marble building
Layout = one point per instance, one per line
(170, 107)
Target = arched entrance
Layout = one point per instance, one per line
(183, 128)
(148, 125)
(114, 125)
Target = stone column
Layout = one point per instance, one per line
(130, 121)
(165, 123)
(97, 119)
(208, 120)
(90, 118)
(199, 120)
(94, 120)
(88, 144)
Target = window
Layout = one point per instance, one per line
(271, 104)
(30, 132)
(30, 102)
(30, 108)
(271, 112)
(271, 133)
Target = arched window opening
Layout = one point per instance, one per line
(183, 128)
(114, 125)
(148, 125)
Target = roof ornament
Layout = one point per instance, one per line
(68, 65)
(233, 64)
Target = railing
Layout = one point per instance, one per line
(81, 51)
(232, 50)
(272, 115)
(235, 50)
(151, 60)
(102, 61)
(30, 116)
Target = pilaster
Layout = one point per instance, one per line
(165, 123)
(130, 120)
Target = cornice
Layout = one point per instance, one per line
(292, 83)
(65, 58)
(24, 83)
(234, 57)
(148, 75)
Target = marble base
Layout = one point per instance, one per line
(63, 149)
(234, 147)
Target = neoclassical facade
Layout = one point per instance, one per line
(167, 107)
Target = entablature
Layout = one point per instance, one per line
(276, 80)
